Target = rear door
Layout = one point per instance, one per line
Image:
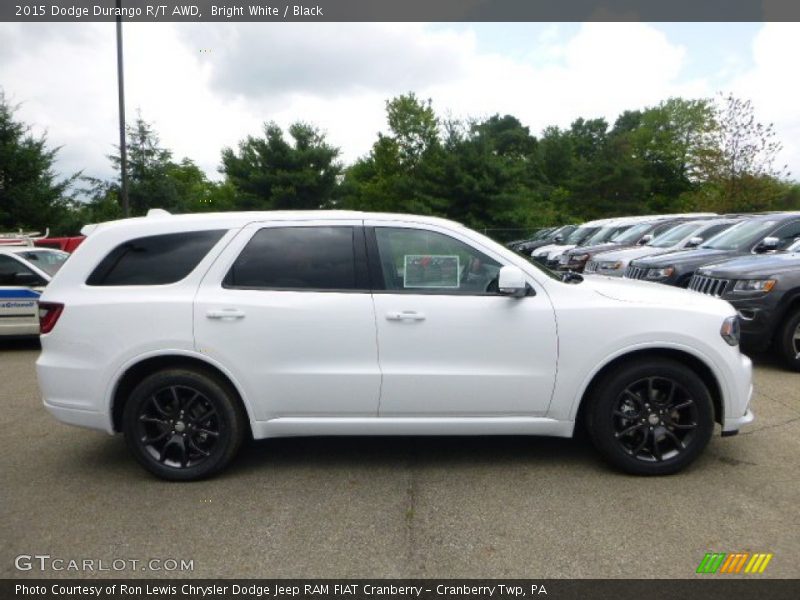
(287, 308)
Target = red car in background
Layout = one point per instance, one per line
(67, 244)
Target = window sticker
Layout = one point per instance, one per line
(431, 271)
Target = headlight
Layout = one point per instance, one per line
(730, 330)
(754, 285)
(609, 266)
(659, 273)
(579, 258)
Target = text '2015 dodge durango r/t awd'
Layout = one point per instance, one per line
(189, 333)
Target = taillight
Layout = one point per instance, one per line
(49, 312)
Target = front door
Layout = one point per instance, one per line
(449, 344)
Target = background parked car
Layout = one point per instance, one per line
(759, 235)
(765, 290)
(685, 235)
(637, 234)
(550, 255)
(24, 272)
(554, 236)
(67, 244)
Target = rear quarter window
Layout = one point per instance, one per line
(154, 260)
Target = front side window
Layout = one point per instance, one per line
(154, 260)
(787, 235)
(421, 261)
(297, 258)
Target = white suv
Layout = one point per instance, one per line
(189, 333)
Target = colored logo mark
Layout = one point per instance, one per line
(736, 562)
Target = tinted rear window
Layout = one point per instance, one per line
(154, 260)
(296, 258)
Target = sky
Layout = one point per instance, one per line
(207, 86)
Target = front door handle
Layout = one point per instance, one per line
(225, 314)
(404, 315)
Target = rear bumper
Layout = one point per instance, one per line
(80, 418)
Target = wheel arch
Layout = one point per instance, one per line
(692, 361)
(139, 369)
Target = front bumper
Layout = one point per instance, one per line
(757, 323)
(737, 410)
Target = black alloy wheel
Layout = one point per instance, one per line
(183, 425)
(789, 341)
(654, 419)
(650, 416)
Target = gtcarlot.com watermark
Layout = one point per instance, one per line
(46, 562)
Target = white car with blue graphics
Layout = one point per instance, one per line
(24, 272)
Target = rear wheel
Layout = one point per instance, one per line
(183, 425)
(789, 341)
(651, 417)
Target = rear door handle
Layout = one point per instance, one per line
(225, 314)
(405, 315)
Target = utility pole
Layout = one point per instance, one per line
(123, 147)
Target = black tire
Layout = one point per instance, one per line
(789, 347)
(650, 417)
(183, 425)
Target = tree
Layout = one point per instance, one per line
(155, 180)
(31, 196)
(270, 173)
(740, 166)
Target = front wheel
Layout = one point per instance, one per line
(651, 417)
(183, 425)
(790, 341)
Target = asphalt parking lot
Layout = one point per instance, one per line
(397, 507)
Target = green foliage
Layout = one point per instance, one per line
(492, 174)
(31, 196)
(270, 173)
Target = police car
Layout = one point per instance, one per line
(24, 272)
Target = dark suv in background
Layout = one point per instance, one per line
(758, 235)
(765, 290)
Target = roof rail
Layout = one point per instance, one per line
(21, 238)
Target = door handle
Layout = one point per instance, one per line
(405, 315)
(225, 314)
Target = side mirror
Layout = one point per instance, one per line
(558, 239)
(646, 239)
(768, 244)
(511, 282)
(694, 242)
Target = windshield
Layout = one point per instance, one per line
(48, 261)
(746, 232)
(605, 234)
(632, 235)
(672, 236)
(580, 234)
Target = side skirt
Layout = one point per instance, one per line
(319, 426)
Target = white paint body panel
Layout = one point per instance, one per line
(295, 353)
(308, 363)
